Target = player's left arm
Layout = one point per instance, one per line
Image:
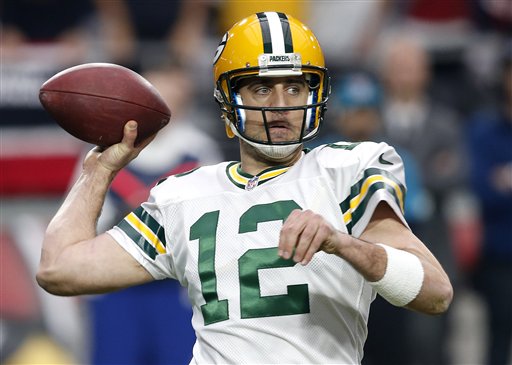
(436, 292)
(415, 279)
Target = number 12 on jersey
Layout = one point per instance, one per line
(252, 304)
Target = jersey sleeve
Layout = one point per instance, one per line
(142, 234)
(378, 175)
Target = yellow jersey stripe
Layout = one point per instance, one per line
(354, 202)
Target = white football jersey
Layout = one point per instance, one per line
(216, 230)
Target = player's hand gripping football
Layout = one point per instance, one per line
(304, 233)
(117, 156)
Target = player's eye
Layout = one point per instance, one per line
(262, 90)
(293, 90)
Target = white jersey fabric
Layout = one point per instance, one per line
(216, 230)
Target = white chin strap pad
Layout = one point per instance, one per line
(272, 152)
(275, 152)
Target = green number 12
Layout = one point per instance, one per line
(252, 304)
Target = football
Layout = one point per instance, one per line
(94, 101)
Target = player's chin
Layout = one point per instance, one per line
(283, 135)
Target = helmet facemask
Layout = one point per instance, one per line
(235, 112)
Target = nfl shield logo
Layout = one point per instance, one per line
(251, 184)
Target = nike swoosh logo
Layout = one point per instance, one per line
(383, 161)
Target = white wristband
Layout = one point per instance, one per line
(403, 278)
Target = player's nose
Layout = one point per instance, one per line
(279, 98)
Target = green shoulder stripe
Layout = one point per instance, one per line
(345, 146)
(373, 180)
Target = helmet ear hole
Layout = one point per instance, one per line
(313, 81)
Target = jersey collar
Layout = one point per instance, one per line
(246, 181)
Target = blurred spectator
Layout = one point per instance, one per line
(354, 113)
(445, 31)
(492, 15)
(165, 31)
(132, 326)
(340, 27)
(492, 25)
(64, 33)
(128, 32)
(490, 154)
(356, 116)
(444, 28)
(430, 131)
(30, 23)
(414, 119)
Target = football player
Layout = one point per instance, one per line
(283, 251)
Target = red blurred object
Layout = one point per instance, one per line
(439, 10)
(37, 161)
(33, 175)
(467, 241)
(18, 299)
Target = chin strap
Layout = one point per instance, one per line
(272, 152)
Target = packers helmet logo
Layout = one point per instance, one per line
(220, 48)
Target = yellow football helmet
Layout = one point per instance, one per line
(270, 44)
